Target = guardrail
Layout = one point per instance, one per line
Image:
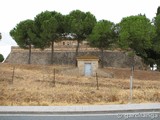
(93, 112)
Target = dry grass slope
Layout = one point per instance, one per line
(34, 85)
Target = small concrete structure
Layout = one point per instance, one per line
(87, 65)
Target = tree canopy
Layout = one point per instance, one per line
(22, 34)
(158, 11)
(40, 22)
(49, 29)
(81, 25)
(153, 54)
(137, 33)
(156, 40)
(102, 36)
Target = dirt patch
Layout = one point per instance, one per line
(34, 85)
(125, 73)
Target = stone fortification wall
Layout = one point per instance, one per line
(112, 58)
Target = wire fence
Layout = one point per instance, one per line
(63, 84)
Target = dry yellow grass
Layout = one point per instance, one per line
(33, 85)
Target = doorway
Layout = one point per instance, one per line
(88, 69)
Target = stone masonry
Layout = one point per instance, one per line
(67, 57)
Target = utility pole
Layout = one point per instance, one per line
(131, 83)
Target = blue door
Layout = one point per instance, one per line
(87, 69)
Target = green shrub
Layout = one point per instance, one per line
(1, 58)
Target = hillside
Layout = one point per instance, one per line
(34, 85)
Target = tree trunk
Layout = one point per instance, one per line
(102, 58)
(77, 49)
(52, 53)
(133, 60)
(29, 57)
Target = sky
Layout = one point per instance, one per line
(14, 11)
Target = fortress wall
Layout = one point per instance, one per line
(112, 59)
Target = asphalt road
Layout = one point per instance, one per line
(96, 112)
